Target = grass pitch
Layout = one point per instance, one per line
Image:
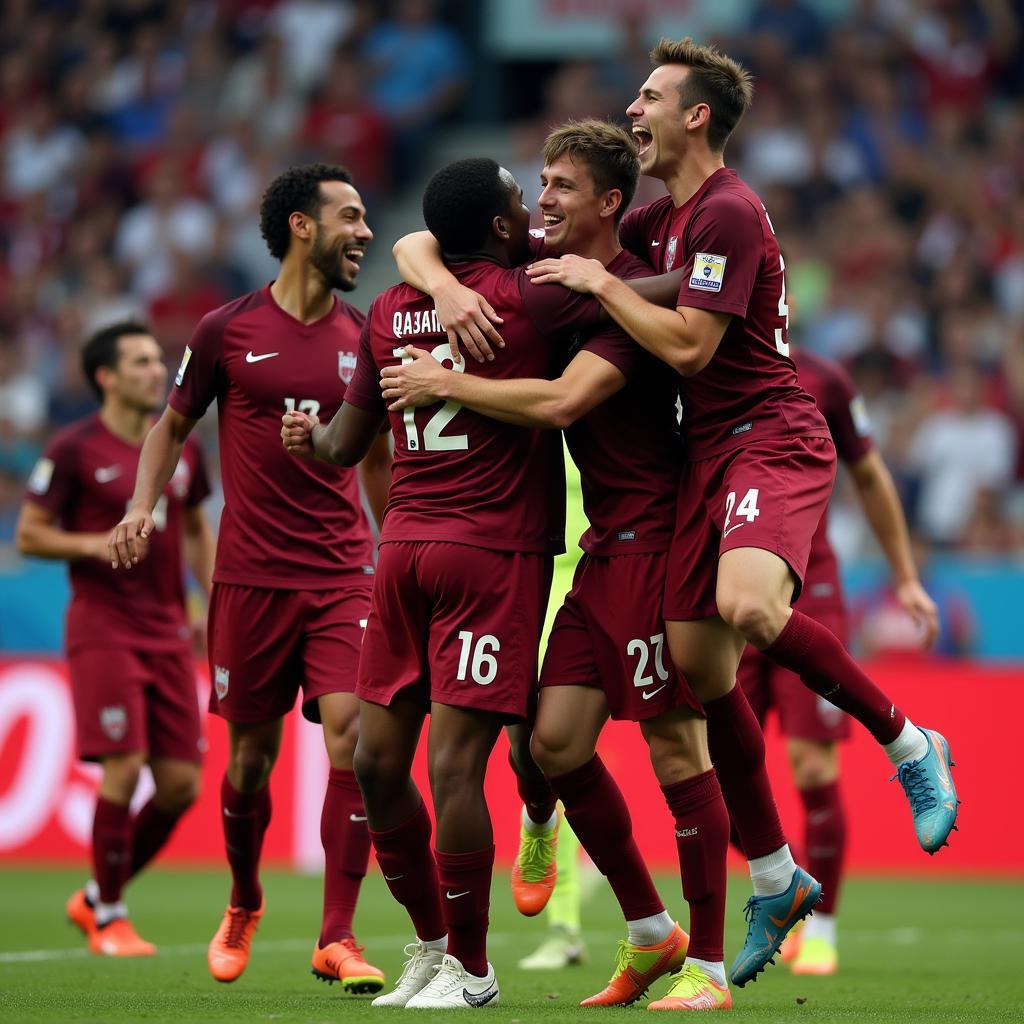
(910, 951)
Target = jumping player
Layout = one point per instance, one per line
(129, 644)
(295, 557)
(758, 475)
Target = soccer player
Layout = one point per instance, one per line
(295, 557)
(475, 512)
(605, 657)
(129, 644)
(758, 476)
(813, 726)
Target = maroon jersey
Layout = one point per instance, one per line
(459, 476)
(724, 242)
(288, 523)
(86, 478)
(847, 419)
(628, 449)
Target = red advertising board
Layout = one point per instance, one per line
(46, 795)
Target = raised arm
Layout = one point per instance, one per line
(160, 453)
(877, 493)
(465, 314)
(587, 381)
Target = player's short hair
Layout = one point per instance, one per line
(461, 201)
(607, 150)
(101, 350)
(715, 79)
(297, 189)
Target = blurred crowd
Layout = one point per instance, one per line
(886, 139)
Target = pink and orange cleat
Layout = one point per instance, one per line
(228, 953)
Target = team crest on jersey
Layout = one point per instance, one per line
(708, 271)
(186, 356)
(346, 366)
(114, 722)
(180, 480)
(42, 474)
(221, 678)
(670, 253)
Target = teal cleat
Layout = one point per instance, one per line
(928, 784)
(769, 919)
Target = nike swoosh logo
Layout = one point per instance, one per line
(479, 998)
(655, 243)
(250, 358)
(798, 898)
(107, 473)
(393, 878)
(653, 693)
(456, 895)
(357, 817)
(735, 526)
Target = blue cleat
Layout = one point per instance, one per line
(769, 919)
(928, 784)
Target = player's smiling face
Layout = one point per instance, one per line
(570, 204)
(659, 122)
(341, 235)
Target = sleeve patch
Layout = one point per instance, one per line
(42, 474)
(860, 417)
(181, 369)
(708, 271)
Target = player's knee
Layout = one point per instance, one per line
(754, 618)
(341, 746)
(121, 776)
(556, 753)
(454, 771)
(812, 767)
(250, 768)
(178, 796)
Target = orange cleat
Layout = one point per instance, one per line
(535, 871)
(228, 953)
(637, 967)
(790, 948)
(81, 913)
(119, 938)
(342, 961)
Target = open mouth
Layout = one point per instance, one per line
(643, 139)
(352, 255)
(552, 221)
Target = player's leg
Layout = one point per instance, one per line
(176, 788)
(677, 741)
(755, 590)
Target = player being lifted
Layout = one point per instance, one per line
(295, 556)
(759, 469)
(605, 657)
(129, 645)
(475, 512)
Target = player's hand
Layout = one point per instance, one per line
(297, 434)
(413, 384)
(571, 271)
(921, 608)
(128, 544)
(470, 320)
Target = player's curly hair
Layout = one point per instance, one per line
(297, 189)
(606, 149)
(715, 79)
(460, 202)
(101, 350)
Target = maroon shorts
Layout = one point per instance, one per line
(802, 713)
(128, 700)
(769, 495)
(609, 634)
(266, 644)
(459, 624)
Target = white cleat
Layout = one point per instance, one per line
(454, 988)
(419, 970)
(561, 948)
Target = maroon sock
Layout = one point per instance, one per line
(702, 840)
(465, 879)
(826, 840)
(736, 744)
(151, 829)
(536, 793)
(246, 817)
(346, 842)
(600, 818)
(111, 848)
(410, 871)
(824, 665)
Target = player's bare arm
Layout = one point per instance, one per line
(466, 315)
(200, 547)
(375, 476)
(39, 535)
(587, 381)
(684, 337)
(157, 462)
(881, 502)
(345, 441)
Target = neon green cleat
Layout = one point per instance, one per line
(561, 948)
(534, 872)
(816, 956)
(693, 989)
(637, 967)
